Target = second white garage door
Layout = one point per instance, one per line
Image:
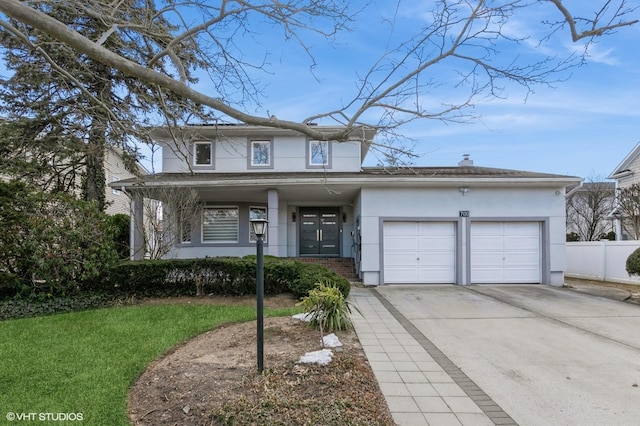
(419, 252)
(505, 252)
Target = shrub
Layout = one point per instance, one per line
(280, 273)
(51, 243)
(220, 276)
(312, 274)
(572, 237)
(120, 224)
(633, 263)
(9, 284)
(187, 277)
(328, 307)
(68, 244)
(39, 305)
(611, 236)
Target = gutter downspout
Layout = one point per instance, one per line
(577, 187)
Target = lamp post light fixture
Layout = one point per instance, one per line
(259, 227)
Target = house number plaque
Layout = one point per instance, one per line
(464, 213)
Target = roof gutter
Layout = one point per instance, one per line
(384, 181)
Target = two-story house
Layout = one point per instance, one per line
(115, 170)
(462, 224)
(625, 175)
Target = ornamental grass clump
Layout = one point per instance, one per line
(328, 307)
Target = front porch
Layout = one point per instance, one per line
(305, 221)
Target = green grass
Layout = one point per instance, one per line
(86, 362)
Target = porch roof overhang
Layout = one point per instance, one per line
(341, 186)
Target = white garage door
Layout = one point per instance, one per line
(505, 252)
(419, 252)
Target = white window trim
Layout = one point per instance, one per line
(195, 157)
(182, 233)
(310, 163)
(237, 240)
(115, 191)
(251, 164)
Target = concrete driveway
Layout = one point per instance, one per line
(544, 355)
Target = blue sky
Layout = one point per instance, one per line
(584, 126)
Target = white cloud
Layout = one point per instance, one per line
(596, 53)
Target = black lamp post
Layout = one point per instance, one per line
(259, 227)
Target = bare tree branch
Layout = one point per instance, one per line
(468, 36)
(588, 210)
(43, 22)
(628, 208)
(596, 30)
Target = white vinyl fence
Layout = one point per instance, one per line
(601, 260)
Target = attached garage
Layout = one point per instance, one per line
(505, 252)
(419, 252)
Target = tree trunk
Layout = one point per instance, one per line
(94, 188)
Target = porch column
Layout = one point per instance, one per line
(272, 214)
(136, 231)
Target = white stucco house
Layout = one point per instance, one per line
(461, 224)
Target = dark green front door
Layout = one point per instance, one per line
(320, 231)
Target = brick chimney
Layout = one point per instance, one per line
(465, 161)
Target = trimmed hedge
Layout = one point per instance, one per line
(36, 306)
(633, 263)
(229, 276)
(312, 274)
(129, 281)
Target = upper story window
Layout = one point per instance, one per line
(319, 154)
(113, 190)
(203, 154)
(260, 153)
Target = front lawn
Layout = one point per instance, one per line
(85, 362)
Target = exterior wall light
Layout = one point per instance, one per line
(464, 190)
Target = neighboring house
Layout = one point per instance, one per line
(459, 225)
(626, 174)
(588, 211)
(115, 170)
